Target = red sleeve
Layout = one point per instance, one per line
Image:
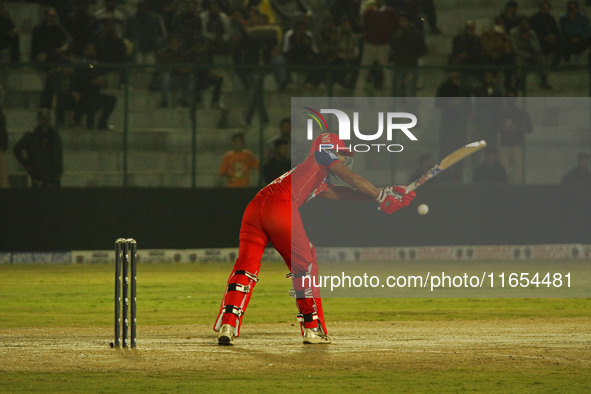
(325, 158)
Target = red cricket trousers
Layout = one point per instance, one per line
(271, 218)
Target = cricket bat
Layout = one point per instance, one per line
(448, 161)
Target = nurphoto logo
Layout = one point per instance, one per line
(389, 122)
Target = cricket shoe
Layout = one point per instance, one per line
(315, 336)
(226, 335)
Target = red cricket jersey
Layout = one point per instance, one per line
(305, 181)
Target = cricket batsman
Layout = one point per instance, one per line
(273, 216)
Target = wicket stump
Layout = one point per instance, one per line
(125, 257)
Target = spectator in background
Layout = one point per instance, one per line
(111, 11)
(49, 40)
(467, 50)
(289, 10)
(379, 24)
(347, 49)
(279, 163)
(263, 7)
(187, 24)
(237, 163)
(497, 49)
(205, 77)
(454, 104)
(40, 153)
(348, 9)
(241, 45)
(509, 16)
(527, 50)
(63, 7)
(3, 147)
(575, 31)
(408, 45)
(9, 37)
(466, 46)
(59, 93)
(87, 83)
(216, 29)
(580, 174)
(326, 36)
(427, 8)
(329, 57)
(81, 26)
(284, 134)
(487, 109)
(179, 77)
(490, 170)
(515, 124)
(262, 47)
(147, 33)
(413, 10)
(224, 5)
(300, 50)
(496, 44)
(167, 10)
(453, 86)
(546, 27)
(426, 162)
(259, 35)
(110, 45)
(488, 86)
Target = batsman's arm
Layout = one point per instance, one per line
(390, 199)
(364, 190)
(344, 193)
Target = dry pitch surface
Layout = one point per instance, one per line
(494, 345)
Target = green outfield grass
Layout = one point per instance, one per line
(76, 295)
(58, 295)
(323, 381)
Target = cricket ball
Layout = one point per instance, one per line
(423, 209)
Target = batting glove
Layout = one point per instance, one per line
(400, 191)
(389, 203)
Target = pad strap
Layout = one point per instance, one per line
(307, 317)
(300, 293)
(250, 276)
(233, 309)
(239, 287)
(296, 276)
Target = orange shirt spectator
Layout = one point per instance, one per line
(237, 163)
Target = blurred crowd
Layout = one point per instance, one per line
(535, 40)
(287, 32)
(347, 47)
(284, 33)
